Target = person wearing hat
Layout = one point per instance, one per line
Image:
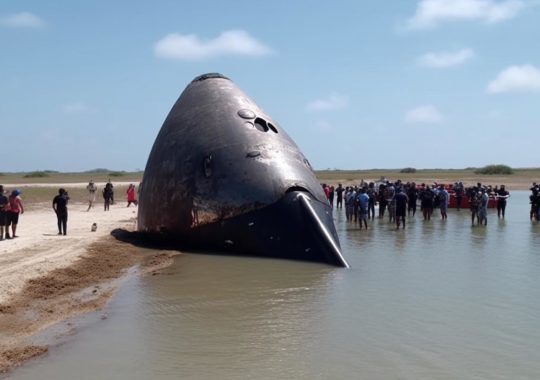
(15, 208)
(3, 212)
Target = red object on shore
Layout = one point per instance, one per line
(452, 203)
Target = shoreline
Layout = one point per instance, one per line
(48, 279)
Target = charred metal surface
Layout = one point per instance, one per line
(219, 159)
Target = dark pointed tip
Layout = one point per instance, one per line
(334, 255)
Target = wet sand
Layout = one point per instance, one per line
(48, 278)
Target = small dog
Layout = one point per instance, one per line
(94, 227)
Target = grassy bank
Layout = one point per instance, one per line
(34, 194)
(55, 177)
(520, 180)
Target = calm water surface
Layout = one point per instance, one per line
(440, 300)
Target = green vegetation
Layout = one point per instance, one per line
(98, 170)
(38, 174)
(23, 177)
(117, 174)
(408, 170)
(495, 169)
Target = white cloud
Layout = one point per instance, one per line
(332, 102)
(189, 47)
(516, 78)
(430, 13)
(445, 58)
(425, 114)
(75, 108)
(22, 20)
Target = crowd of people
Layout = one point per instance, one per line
(400, 200)
(11, 206)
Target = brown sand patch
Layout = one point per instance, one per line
(84, 286)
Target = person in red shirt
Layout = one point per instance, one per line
(131, 195)
(15, 207)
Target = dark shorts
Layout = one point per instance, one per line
(12, 218)
(3, 218)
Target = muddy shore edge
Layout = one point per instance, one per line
(82, 287)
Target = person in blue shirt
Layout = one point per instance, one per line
(363, 204)
(443, 197)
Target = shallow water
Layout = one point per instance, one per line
(440, 300)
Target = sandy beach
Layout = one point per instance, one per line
(47, 278)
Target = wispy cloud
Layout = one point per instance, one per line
(430, 13)
(189, 47)
(445, 58)
(22, 20)
(516, 78)
(332, 102)
(76, 108)
(425, 114)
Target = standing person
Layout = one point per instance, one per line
(356, 192)
(59, 205)
(412, 194)
(131, 195)
(401, 201)
(349, 203)
(502, 196)
(382, 200)
(443, 197)
(535, 203)
(326, 190)
(474, 204)
(15, 207)
(459, 191)
(91, 194)
(372, 194)
(111, 190)
(482, 208)
(339, 196)
(426, 202)
(390, 201)
(107, 196)
(3, 213)
(363, 204)
(331, 196)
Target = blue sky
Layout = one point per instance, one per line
(356, 84)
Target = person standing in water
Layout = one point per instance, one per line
(443, 197)
(482, 207)
(363, 206)
(502, 196)
(339, 194)
(59, 205)
(401, 201)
